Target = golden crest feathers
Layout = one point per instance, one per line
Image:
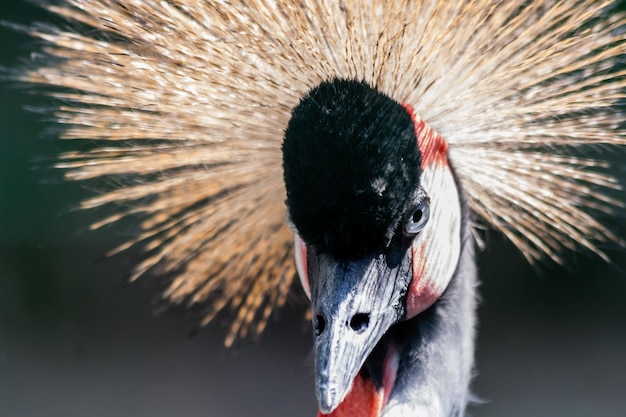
(190, 99)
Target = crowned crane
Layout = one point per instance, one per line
(381, 235)
(397, 128)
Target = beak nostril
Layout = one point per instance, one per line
(319, 324)
(359, 322)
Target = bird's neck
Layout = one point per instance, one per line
(435, 382)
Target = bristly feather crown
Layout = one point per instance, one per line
(192, 97)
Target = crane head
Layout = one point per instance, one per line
(376, 212)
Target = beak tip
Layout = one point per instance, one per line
(327, 399)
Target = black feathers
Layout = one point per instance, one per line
(351, 165)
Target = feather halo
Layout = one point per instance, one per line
(187, 101)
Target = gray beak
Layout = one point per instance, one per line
(354, 303)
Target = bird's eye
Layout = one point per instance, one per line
(417, 219)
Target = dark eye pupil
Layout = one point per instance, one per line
(417, 216)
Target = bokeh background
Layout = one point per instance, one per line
(76, 341)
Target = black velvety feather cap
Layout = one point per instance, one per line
(351, 165)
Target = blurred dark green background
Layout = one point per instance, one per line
(76, 341)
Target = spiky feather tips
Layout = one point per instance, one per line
(190, 99)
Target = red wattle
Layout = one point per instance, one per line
(363, 400)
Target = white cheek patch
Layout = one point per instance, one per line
(437, 248)
(302, 264)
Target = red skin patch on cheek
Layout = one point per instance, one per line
(363, 400)
(432, 146)
(422, 294)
